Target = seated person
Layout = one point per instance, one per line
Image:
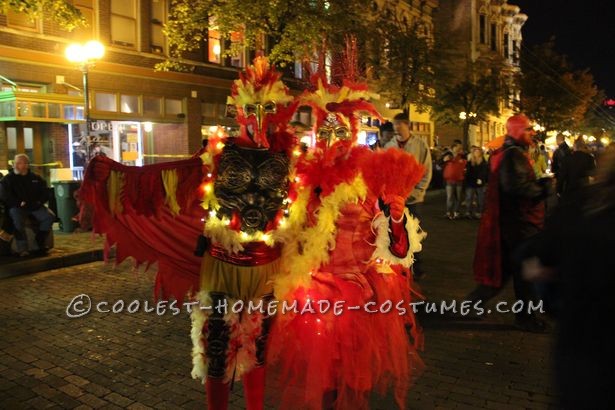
(25, 194)
(6, 226)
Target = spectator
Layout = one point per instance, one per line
(387, 132)
(25, 194)
(559, 157)
(538, 161)
(579, 167)
(420, 150)
(454, 174)
(477, 173)
(6, 226)
(514, 212)
(565, 255)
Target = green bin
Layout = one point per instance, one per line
(66, 203)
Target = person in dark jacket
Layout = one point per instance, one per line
(6, 226)
(573, 254)
(559, 159)
(25, 195)
(477, 173)
(578, 167)
(514, 213)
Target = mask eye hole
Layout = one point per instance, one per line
(342, 133)
(249, 109)
(270, 107)
(324, 133)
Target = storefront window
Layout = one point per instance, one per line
(7, 109)
(106, 102)
(129, 103)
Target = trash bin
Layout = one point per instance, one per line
(66, 203)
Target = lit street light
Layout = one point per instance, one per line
(85, 56)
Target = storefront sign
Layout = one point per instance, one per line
(97, 126)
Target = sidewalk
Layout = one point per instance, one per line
(142, 360)
(69, 249)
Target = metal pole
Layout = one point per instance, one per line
(86, 110)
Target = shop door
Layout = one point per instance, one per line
(25, 138)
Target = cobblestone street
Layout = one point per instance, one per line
(141, 360)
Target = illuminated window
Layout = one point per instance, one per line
(87, 10)
(159, 17)
(214, 45)
(106, 102)
(238, 57)
(124, 23)
(129, 104)
(21, 21)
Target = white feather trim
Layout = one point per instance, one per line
(381, 226)
(244, 329)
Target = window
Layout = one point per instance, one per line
(214, 48)
(159, 17)
(208, 110)
(483, 27)
(106, 102)
(152, 106)
(172, 107)
(238, 57)
(515, 52)
(124, 23)
(506, 47)
(87, 10)
(21, 21)
(129, 104)
(494, 37)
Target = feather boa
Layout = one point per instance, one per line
(241, 352)
(312, 245)
(381, 226)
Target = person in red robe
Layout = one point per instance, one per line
(515, 211)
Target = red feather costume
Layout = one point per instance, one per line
(233, 197)
(348, 248)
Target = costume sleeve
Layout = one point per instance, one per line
(151, 213)
(394, 173)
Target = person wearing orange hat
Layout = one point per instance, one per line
(514, 212)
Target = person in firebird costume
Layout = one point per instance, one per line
(354, 243)
(237, 189)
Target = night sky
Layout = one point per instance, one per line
(584, 31)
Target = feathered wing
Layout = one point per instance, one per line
(151, 213)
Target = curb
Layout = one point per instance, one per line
(43, 264)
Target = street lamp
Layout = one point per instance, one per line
(467, 118)
(85, 56)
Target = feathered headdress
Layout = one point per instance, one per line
(261, 103)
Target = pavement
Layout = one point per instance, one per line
(69, 249)
(142, 360)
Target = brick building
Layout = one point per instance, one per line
(139, 115)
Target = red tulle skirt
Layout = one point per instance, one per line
(318, 360)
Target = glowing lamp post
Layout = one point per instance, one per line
(85, 56)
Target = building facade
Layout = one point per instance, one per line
(421, 13)
(481, 33)
(138, 115)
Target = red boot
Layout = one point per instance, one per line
(217, 394)
(254, 388)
